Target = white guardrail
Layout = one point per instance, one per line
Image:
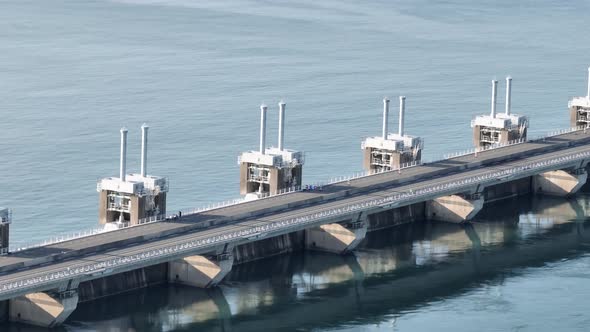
(105, 267)
(334, 180)
(476, 150)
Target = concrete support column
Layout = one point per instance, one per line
(454, 208)
(43, 309)
(559, 183)
(337, 238)
(200, 271)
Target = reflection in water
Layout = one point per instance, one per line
(395, 273)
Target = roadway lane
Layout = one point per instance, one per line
(102, 256)
(260, 208)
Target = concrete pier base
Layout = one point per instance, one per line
(336, 238)
(200, 271)
(454, 208)
(42, 309)
(559, 183)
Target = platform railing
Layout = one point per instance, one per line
(363, 174)
(280, 227)
(82, 234)
(482, 149)
(57, 239)
(320, 184)
(562, 131)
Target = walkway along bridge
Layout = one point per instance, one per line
(40, 285)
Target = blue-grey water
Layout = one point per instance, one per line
(73, 72)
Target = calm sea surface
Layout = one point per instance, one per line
(73, 72)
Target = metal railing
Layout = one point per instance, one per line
(514, 142)
(171, 251)
(380, 162)
(334, 180)
(83, 233)
(561, 132)
(284, 164)
(58, 239)
(482, 149)
(362, 174)
(162, 187)
(119, 207)
(259, 178)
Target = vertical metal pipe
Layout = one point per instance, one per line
(402, 110)
(144, 142)
(588, 94)
(281, 124)
(494, 96)
(123, 157)
(508, 94)
(385, 116)
(262, 128)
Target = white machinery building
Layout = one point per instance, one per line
(391, 150)
(129, 198)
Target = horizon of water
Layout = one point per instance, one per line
(74, 72)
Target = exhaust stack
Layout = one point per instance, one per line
(262, 128)
(123, 158)
(494, 96)
(402, 110)
(385, 116)
(281, 124)
(508, 94)
(144, 141)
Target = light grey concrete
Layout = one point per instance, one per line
(335, 238)
(130, 241)
(200, 271)
(42, 309)
(454, 208)
(559, 182)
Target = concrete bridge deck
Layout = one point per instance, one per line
(54, 266)
(398, 270)
(410, 176)
(42, 283)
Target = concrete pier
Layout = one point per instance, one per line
(200, 271)
(336, 238)
(43, 309)
(454, 208)
(560, 182)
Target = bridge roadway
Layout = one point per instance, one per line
(41, 261)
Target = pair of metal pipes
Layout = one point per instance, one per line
(123, 157)
(402, 110)
(263, 109)
(508, 96)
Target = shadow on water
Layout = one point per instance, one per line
(394, 271)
